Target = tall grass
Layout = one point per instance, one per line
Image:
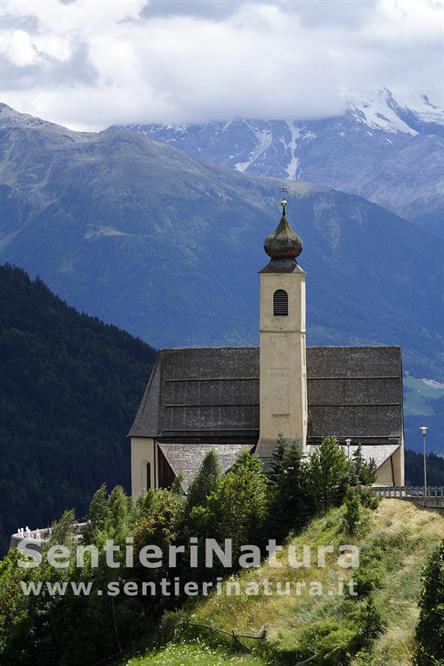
(394, 542)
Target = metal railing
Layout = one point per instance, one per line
(408, 491)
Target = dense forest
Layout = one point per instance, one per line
(69, 388)
(414, 469)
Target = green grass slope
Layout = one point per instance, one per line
(69, 388)
(394, 543)
(194, 654)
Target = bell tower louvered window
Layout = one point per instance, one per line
(280, 303)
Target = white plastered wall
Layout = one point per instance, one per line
(142, 453)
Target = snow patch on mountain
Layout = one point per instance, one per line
(94, 232)
(432, 383)
(378, 111)
(427, 112)
(293, 164)
(264, 138)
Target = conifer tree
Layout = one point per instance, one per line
(364, 472)
(97, 515)
(292, 503)
(205, 482)
(176, 486)
(238, 508)
(329, 472)
(276, 467)
(352, 513)
(117, 514)
(62, 530)
(430, 628)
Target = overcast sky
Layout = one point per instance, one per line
(91, 63)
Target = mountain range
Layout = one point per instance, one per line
(381, 148)
(167, 246)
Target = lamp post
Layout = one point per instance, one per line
(348, 444)
(424, 430)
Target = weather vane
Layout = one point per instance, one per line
(284, 200)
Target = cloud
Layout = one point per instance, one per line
(89, 64)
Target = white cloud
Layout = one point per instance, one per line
(18, 47)
(157, 62)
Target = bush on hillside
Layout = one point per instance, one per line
(351, 517)
(330, 643)
(430, 629)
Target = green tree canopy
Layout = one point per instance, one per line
(329, 472)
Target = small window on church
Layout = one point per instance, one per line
(148, 476)
(280, 303)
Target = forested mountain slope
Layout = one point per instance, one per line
(69, 388)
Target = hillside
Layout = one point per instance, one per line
(381, 148)
(168, 246)
(69, 388)
(394, 544)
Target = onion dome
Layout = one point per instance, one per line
(283, 243)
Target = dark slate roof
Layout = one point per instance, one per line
(209, 394)
(186, 459)
(212, 395)
(147, 417)
(355, 392)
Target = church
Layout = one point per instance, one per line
(235, 398)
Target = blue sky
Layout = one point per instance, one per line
(90, 63)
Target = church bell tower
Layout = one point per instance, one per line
(283, 368)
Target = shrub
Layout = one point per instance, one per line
(367, 580)
(368, 499)
(370, 622)
(333, 643)
(327, 643)
(172, 625)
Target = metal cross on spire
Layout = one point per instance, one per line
(284, 200)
